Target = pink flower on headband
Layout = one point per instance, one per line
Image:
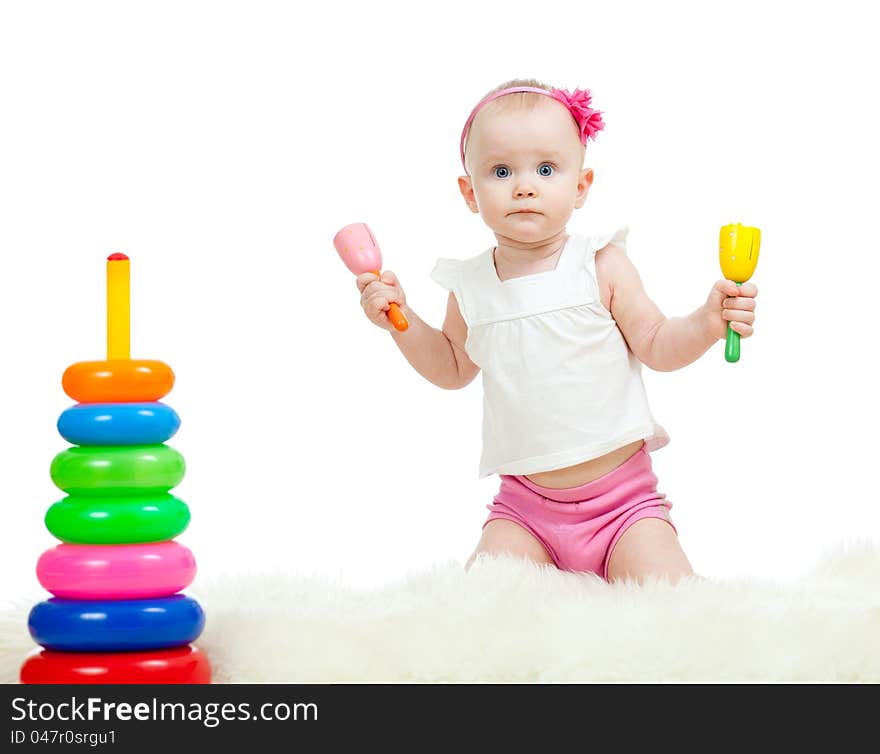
(589, 121)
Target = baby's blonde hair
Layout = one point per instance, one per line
(518, 100)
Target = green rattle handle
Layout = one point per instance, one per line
(731, 346)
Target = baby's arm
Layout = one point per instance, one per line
(668, 343)
(438, 356)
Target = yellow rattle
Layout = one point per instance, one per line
(738, 253)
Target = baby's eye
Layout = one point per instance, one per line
(545, 170)
(502, 171)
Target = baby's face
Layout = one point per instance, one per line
(525, 160)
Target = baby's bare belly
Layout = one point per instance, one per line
(581, 473)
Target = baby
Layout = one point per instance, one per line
(560, 325)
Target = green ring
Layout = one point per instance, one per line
(105, 471)
(117, 520)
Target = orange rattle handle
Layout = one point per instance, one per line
(397, 318)
(394, 314)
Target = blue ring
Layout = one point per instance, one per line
(116, 625)
(146, 423)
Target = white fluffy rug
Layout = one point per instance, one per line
(510, 621)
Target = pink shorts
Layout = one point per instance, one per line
(579, 526)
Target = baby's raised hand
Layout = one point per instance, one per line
(734, 304)
(377, 295)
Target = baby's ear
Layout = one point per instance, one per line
(585, 180)
(466, 187)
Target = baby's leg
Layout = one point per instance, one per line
(501, 535)
(648, 548)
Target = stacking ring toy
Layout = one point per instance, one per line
(117, 520)
(116, 572)
(179, 665)
(118, 423)
(116, 625)
(117, 380)
(126, 470)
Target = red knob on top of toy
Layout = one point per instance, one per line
(359, 251)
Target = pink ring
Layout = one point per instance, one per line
(116, 572)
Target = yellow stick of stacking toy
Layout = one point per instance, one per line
(118, 307)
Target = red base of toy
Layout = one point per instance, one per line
(178, 665)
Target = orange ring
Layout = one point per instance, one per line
(117, 380)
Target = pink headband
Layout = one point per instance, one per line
(589, 121)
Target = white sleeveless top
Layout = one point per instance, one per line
(560, 385)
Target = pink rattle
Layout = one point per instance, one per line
(359, 251)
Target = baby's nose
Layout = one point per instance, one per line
(524, 191)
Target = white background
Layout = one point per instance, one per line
(221, 146)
